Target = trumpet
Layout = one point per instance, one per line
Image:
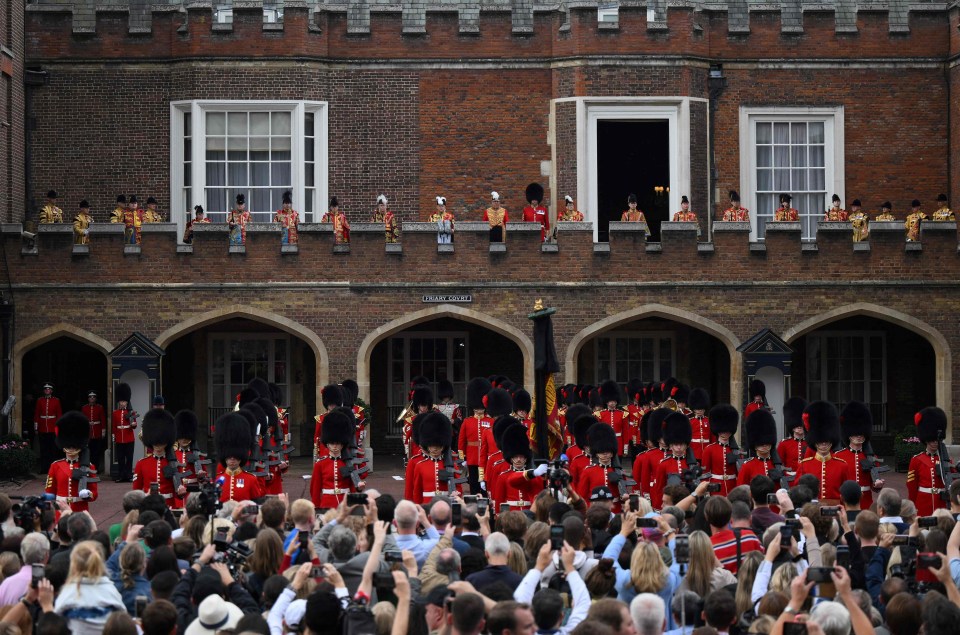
(408, 410)
(671, 404)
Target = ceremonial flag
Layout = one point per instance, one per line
(544, 434)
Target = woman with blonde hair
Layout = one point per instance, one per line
(517, 560)
(88, 597)
(130, 581)
(705, 573)
(746, 574)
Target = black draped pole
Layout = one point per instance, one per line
(545, 435)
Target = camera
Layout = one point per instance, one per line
(772, 499)
(926, 522)
(316, 571)
(634, 502)
(819, 575)
(646, 523)
(393, 556)
(558, 478)
(713, 488)
(358, 498)
(456, 514)
(234, 554)
(36, 574)
(482, 504)
(843, 556)
(139, 606)
(28, 511)
(556, 537)
(832, 511)
(681, 549)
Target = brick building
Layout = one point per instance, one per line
(194, 103)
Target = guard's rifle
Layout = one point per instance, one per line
(83, 473)
(259, 465)
(172, 470)
(947, 474)
(737, 455)
(873, 463)
(620, 478)
(353, 467)
(198, 463)
(779, 471)
(449, 472)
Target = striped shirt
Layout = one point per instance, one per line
(725, 546)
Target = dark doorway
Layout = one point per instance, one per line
(633, 157)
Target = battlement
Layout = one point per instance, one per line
(680, 258)
(298, 28)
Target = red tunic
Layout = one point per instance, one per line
(573, 452)
(426, 483)
(488, 450)
(517, 491)
(284, 416)
(578, 465)
(594, 476)
(791, 451)
(122, 428)
(648, 468)
(468, 443)
(408, 477)
(318, 448)
(702, 437)
(618, 420)
(98, 420)
(715, 462)
(830, 471)
(274, 455)
(361, 430)
(924, 483)
(855, 459)
(410, 447)
(669, 465)
(328, 485)
(753, 467)
(638, 463)
(45, 415)
(498, 469)
(239, 486)
(149, 470)
(634, 414)
(538, 214)
(60, 482)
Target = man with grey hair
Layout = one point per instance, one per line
(889, 503)
(407, 516)
(34, 549)
(130, 501)
(496, 549)
(686, 607)
(648, 613)
(832, 617)
(337, 545)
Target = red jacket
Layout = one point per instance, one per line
(123, 427)
(618, 419)
(425, 482)
(715, 462)
(830, 471)
(328, 485)
(240, 486)
(150, 470)
(594, 476)
(702, 437)
(60, 481)
(468, 443)
(517, 491)
(98, 420)
(666, 467)
(45, 415)
(791, 451)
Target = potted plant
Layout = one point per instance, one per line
(905, 446)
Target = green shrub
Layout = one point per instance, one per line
(905, 446)
(16, 457)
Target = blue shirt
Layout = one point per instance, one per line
(419, 546)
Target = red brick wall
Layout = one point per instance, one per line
(12, 111)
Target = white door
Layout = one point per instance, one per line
(773, 379)
(141, 400)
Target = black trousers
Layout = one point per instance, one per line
(125, 460)
(473, 479)
(97, 446)
(48, 450)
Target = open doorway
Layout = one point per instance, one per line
(633, 157)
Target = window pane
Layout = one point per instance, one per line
(309, 174)
(603, 348)
(281, 174)
(216, 173)
(765, 180)
(781, 180)
(237, 174)
(816, 132)
(309, 150)
(308, 125)
(817, 179)
(798, 132)
(216, 123)
(216, 144)
(187, 125)
(187, 175)
(281, 148)
(816, 157)
(261, 200)
(799, 180)
(260, 123)
(237, 123)
(781, 156)
(216, 200)
(764, 156)
(309, 195)
(259, 174)
(281, 123)
(781, 132)
(798, 156)
(764, 134)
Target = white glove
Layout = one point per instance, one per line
(85, 494)
(541, 469)
(483, 485)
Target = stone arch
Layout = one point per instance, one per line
(943, 371)
(403, 322)
(683, 316)
(28, 343)
(257, 315)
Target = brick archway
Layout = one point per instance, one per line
(433, 313)
(943, 371)
(28, 343)
(683, 316)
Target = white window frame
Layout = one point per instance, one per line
(613, 335)
(866, 336)
(264, 336)
(833, 141)
(198, 109)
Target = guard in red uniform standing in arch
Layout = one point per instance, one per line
(233, 440)
(718, 458)
(64, 478)
(700, 422)
(758, 398)
(856, 426)
(794, 447)
(331, 480)
(471, 430)
(823, 434)
(95, 413)
(925, 477)
(45, 417)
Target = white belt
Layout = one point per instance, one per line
(71, 499)
(95, 423)
(929, 490)
(699, 440)
(619, 434)
(167, 495)
(124, 427)
(864, 488)
(48, 417)
(436, 493)
(519, 503)
(719, 477)
(335, 492)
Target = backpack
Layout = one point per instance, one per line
(357, 620)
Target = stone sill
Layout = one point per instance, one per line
(393, 248)
(498, 248)
(131, 250)
(654, 248)
(758, 248)
(290, 249)
(705, 248)
(343, 248)
(81, 250)
(549, 248)
(445, 248)
(863, 246)
(601, 248)
(913, 246)
(185, 249)
(237, 249)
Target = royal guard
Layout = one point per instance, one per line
(835, 214)
(331, 397)
(116, 216)
(581, 431)
(823, 434)
(677, 433)
(496, 403)
(719, 458)
(925, 482)
(159, 466)
(233, 441)
(283, 413)
(45, 416)
(569, 213)
(684, 215)
(273, 448)
(647, 463)
(603, 444)
(341, 226)
(943, 212)
(257, 461)
(237, 221)
(81, 224)
(433, 476)
(132, 222)
(522, 407)
(66, 478)
(794, 448)
(614, 416)
(535, 212)
(735, 213)
(98, 428)
(518, 486)
(50, 213)
(574, 412)
(331, 480)
(471, 431)
(497, 465)
(761, 429)
(123, 422)
(856, 425)
(758, 398)
(681, 395)
(350, 390)
(152, 214)
(786, 213)
(191, 461)
(630, 215)
(860, 221)
(413, 461)
(635, 409)
(886, 212)
(496, 217)
(912, 224)
(288, 219)
(700, 422)
(421, 400)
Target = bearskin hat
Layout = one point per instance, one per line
(823, 424)
(476, 391)
(509, 386)
(596, 399)
(793, 412)
(699, 399)
(724, 418)
(187, 424)
(499, 380)
(583, 393)
(330, 395)
(123, 392)
(261, 418)
(581, 426)
(350, 390)
(419, 380)
(498, 402)
(534, 193)
(757, 389)
(655, 424)
(680, 393)
(931, 423)
(261, 386)
(610, 391)
(422, 396)
(254, 422)
(654, 393)
(337, 428)
(500, 426)
(247, 395)
(444, 389)
(159, 428)
(276, 395)
(761, 428)
(634, 390)
(73, 430)
(273, 420)
(575, 411)
(601, 438)
(232, 438)
(677, 429)
(515, 443)
(435, 429)
(855, 421)
(666, 387)
(522, 401)
(644, 427)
